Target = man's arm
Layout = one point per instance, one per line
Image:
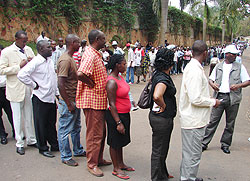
(85, 79)
(5, 69)
(24, 75)
(63, 93)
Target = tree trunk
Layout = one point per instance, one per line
(204, 30)
(164, 21)
(223, 33)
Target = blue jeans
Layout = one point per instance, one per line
(69, 123)
(130, 70)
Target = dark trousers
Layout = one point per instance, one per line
(162, 129)
(231, 113)
(5, 105)
(179, 65)
(45, 124)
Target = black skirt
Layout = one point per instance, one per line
(116, 139)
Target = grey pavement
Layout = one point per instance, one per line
(215, 165)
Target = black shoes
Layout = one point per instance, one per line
(4, 140)
(46, 154)
(204, 147)
(20, 150)
(33, 145)
(225, 149)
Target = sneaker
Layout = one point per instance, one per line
(135, 108)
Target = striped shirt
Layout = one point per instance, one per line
(92, 66)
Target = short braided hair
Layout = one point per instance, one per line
(114, 59)
(164, 59)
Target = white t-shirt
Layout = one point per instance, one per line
(138, 56)
(224, 87)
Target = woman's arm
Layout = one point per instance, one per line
(159, 91)
(111, 88)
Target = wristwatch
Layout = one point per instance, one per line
(119, 122)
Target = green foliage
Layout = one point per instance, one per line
(5, 44)
(180, 21)
(148, 20)
(118, 13)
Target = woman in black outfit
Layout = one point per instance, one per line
(162, 113)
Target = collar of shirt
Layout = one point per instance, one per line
(197, 63)
(95, 51)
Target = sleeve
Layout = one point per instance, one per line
(63, 68)
(213, 74)
(5, 69)
(193, 86)
(24, 74)
(243, 74)
(142, 53)
(87, 65)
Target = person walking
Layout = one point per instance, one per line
(194, 107)
(91, 96)
(12, 60)
(162, 113)
(227, 79)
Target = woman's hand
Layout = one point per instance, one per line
(120, 128)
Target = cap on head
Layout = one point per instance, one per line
(128, 45)
(114, 43)
(231, 49)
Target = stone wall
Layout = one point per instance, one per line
(58, 28)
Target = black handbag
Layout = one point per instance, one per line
(145, 99)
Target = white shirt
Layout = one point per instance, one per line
(152, 57)
(2, 80)
(105, 56)
(138, 56)
(131, 58)
(118, 50)
(41, 71)
(62, 50)
(195, 101)
(175, 56)
(215, 60)
(224, 87)
(41, 38)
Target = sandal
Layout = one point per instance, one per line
(130, 169)
(120, 175)
(70, 162)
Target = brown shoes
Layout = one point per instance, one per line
(96, 171)
(105, 163)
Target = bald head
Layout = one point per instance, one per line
(199, 47)
(93, 35)
(72, 42)
(44, 49)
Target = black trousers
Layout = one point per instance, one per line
(179, 65)
(162, 129)
(45, 124)
(5, 105)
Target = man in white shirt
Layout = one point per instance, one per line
(42, 37)
(130, 65)
(194, 107)
(227, 80)
(39, 74)
(12, 59)
(117, 50)
(139, 57)
(61, 47)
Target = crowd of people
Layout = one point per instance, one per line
(77, 76)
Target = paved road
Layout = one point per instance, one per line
(215, 165)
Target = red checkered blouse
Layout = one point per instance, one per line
(92, 65)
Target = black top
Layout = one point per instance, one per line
(168, 96)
